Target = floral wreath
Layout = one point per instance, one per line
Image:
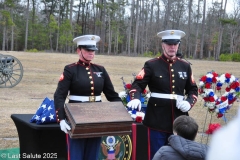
(136, 115)
(210, 82)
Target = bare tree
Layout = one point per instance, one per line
(136, 29)
(129, 34)
(189, 27)
(234, 32)
(26, 30)
(167, 4)
(4, 29)
(109, 35)
(57, 40)
(203, 29)
(157, 46)
(6, 21)
(12, 33)
(221, 28)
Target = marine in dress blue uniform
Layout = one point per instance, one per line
(173, 90)
(83, 81)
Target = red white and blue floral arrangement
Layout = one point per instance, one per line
(212, 82)
(137, 115)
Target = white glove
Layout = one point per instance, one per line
(64, 126)
(184, 106)
(134, 104)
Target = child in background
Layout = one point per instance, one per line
(182, 145)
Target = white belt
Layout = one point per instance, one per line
(167, 96)
(85, 98)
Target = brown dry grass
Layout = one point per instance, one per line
(42, 71)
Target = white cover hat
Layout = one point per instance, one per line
(87, 41)
(171, 36)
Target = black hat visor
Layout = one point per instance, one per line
(89, 47)
(171, 41)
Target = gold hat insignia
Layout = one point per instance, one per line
(92, 38)
(172, 32)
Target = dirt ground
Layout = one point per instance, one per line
(42, 72)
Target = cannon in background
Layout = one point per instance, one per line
(11, 71)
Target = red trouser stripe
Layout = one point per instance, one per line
(134, 140)
(68, 153)
(149, 149)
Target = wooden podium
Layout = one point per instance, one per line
(96, 119)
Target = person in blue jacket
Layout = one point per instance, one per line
(182, 145)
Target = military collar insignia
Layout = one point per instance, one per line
(83, 63)
(169, 60)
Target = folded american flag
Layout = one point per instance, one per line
(45, 113)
